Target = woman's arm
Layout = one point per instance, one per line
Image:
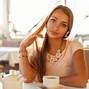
(25, 68)
(27, 71)
(79, 79)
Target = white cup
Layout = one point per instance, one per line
(51, 81)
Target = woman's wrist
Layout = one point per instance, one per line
(22, 52)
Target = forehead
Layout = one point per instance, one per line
(59, 14)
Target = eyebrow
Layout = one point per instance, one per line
(57, 18)
(53, 17)
(64, 22)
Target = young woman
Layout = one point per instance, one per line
(58, 55)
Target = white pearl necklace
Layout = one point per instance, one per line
(54, 58)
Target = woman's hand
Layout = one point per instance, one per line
(30, 39)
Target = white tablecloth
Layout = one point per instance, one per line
(9, 53)
(9, 49)
(34, 86)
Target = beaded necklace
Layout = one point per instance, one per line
(54, 58)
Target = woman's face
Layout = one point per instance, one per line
(57, 24)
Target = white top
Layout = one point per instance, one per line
(64, 66)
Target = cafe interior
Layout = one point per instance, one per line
(18, 18)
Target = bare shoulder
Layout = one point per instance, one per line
(77, 49)
(75, 46)
(76, 43)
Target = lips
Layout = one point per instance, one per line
(54, 33)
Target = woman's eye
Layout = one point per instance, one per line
(64, 25)
(52, 20)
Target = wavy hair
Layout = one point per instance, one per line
(38, 62)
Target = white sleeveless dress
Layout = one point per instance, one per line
(64, 66)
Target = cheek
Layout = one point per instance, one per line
(49, 27)
(47, 31)
(62, 31)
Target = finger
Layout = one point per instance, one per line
(41, 27)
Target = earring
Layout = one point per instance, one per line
(66, 35)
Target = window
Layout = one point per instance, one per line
(1, 16)
(26, 14)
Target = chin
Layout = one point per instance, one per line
(55, 37)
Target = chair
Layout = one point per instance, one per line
(87, 59)
(1, 68)
(10, 43)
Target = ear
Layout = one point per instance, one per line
(67, 34)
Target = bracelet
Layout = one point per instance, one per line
(22, 53)
(23, 56)
(22, 50)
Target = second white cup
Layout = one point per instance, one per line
(51, 81)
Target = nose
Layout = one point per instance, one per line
(57, 26)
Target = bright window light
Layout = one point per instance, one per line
(24, 14)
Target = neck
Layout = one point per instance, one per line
(55, 44)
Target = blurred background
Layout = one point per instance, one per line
(18, 18)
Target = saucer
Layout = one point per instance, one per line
(30, 86)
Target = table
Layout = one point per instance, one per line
(10, 54)
(9, 49)
(1, 85)
(34, 86)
